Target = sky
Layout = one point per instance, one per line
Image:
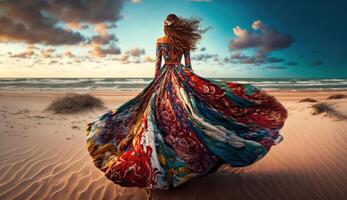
(116, 38)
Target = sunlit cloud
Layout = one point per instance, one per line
(69, 54)
(263, 39)
(43, 22)
(101, 52)
(148, 59)
(136, 1)
(136, 52)
(47, 53)
(26, 54)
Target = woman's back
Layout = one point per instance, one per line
(169, 54)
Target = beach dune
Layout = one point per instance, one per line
(44, 156)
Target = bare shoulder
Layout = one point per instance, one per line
(162, 40)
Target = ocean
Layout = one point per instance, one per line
(128, 84)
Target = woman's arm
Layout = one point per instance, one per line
(187, 59)
(158, 59)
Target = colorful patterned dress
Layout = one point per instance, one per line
(183, 126)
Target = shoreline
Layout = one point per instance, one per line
(132, 92)
(282, 95)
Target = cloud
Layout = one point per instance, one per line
(52, 62)
(136, 52)
(292, 63)
(38, 61)
(31, 47)
(101, 28)
(204, 57)
(136, 1)
(134, 55)
(77, 61)
(47, 53)
(103, 36)
(263, 39)
(42, 21)
(86, 11)
(103, 43)
(32, 33)
(148, 59)
(267, 40)
(103, 39)
(101, 52)
(316, 63)
(124, 59)
(69, 54)
(73, 25)
(26, 54)
(275, 67)
(258, 58)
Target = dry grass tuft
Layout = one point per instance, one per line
(75, 103)
(308, 100)
(328, 109)
(337, 96)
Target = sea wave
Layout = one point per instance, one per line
(127, 84)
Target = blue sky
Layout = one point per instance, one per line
(292, 39)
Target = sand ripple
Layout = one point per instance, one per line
(310, 163)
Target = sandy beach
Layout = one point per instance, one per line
(44, 156)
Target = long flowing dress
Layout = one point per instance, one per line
(183, 126)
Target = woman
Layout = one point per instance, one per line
(181, 125)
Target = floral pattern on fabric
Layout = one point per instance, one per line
(183, 126)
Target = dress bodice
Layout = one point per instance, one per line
(163, 49)
(168, 54)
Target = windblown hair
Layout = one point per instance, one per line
(182, 33)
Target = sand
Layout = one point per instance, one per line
(44, 156)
